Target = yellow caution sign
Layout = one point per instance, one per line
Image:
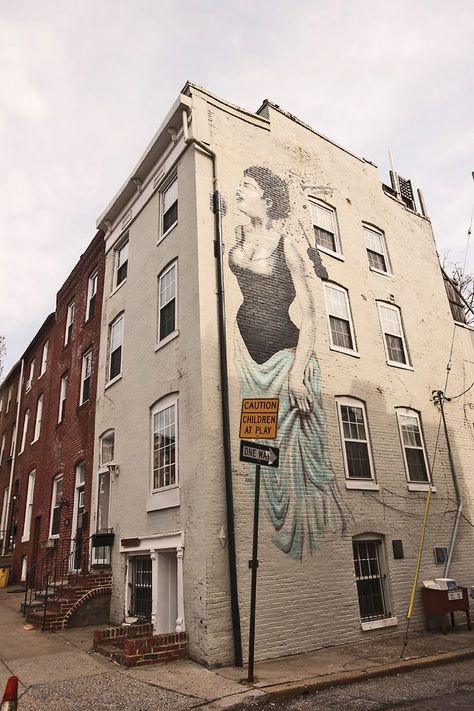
(259, 418)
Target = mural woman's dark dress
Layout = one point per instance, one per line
(276, 359)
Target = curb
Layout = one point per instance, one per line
(302, 686)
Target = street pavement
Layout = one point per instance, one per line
(60, 671)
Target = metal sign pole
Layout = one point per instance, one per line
(253, 564)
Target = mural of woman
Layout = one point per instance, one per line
(275, 358)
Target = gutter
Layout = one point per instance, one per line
(224, 384)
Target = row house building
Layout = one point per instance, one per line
(47, 425)
(264, 260)
(248, 256)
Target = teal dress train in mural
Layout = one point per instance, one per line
(302, 498)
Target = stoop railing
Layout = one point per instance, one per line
(60, 571)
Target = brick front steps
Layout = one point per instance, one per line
(67, 599)
(136, 645)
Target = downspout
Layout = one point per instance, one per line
(224, 383)
(12, 469)
(440, 397)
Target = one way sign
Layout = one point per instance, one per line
(259, 454)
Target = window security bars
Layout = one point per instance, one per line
(140, 587)
(370, 580)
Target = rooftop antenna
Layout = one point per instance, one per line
(393, 175)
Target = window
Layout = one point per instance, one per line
(325, 227)
(29, 382)
(62, 397)
(56, 507)
(86, 376)
(24, 568)
(4, 516)
(340, 321)
(69, 323)
(116, 339)
(28, 507)
(391, 324)
(376, 249)
(414, 453)
(12, 443)
(371, 579)
(169, 203)
(167, 303)
(39, 415)
(9, 399)
(355, 439)
(2, 447)
(25, 429)
(107, 442)
(91, 295)
(44, 358)
(121, 263)
(164, 447)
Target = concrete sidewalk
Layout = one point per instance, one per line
(60, 671)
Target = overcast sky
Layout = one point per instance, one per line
(85, 84)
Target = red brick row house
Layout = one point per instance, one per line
(47, 427)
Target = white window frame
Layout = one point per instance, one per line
(29, 382)
(2, 447)
(395, 309)
(163, 198)
(161, 306)
(9, 399)
(109, 434)
(4, 516)
(166, 496)
(413, 485)
(69, 322)
(124, 244)
(119, 319)
(332, 214)
(351, 481)
(62, 397)
(12, 443)
(55, 503)
(26, 419)
(388, 620)
(91, 292)
(38, 418)
(333, 346)
(1, 404)
(44, 358)
(86, 374)
(370, 230)
(29, 507)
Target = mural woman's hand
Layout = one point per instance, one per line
(299, 395)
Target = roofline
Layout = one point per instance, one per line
(294, 118)
(146, 162)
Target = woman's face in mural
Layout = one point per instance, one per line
(250, 200)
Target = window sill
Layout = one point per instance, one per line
(24, 539)
(113, 381)
(170, 337)
(354, 354)
(378, 624)
(165, 234)
(379, 271)
(363, 485)
(119, 286)
(403, 366)
(420, 486)
(167, 499)
(329, 252)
